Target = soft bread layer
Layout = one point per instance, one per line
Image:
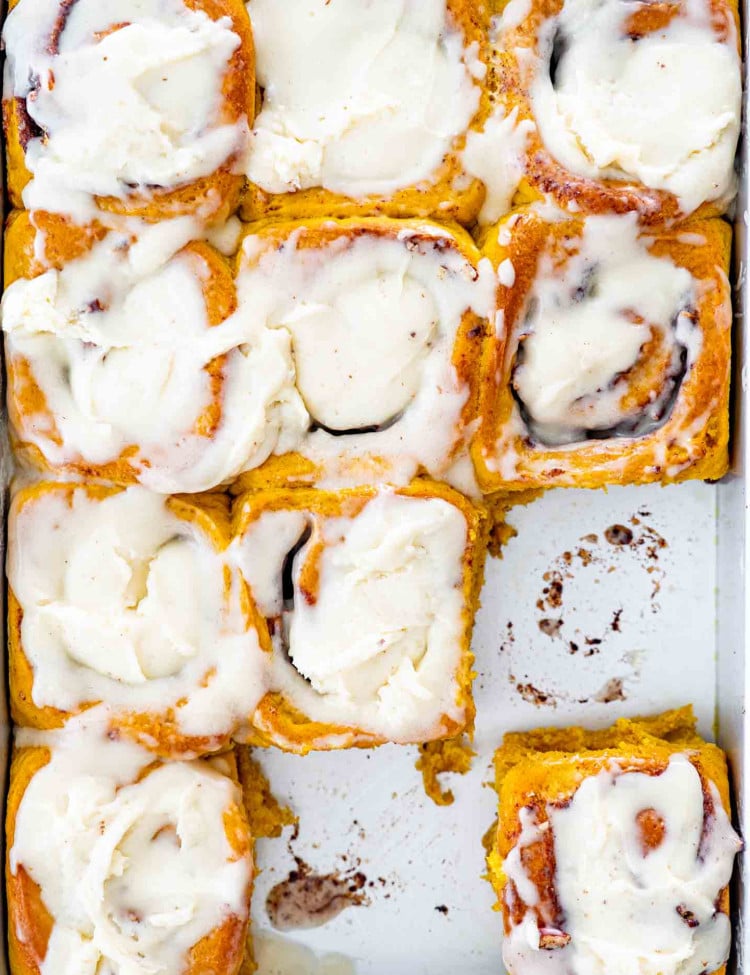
(652, 798)
(124, 597)
(139, 146)
(611, 364)
(369, 600)
(108, 855)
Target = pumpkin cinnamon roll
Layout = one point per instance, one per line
(109, 855)
(369, 598)
(614, 849)
(127, 599)
(611, 363)
(127, 363)
(384, 322)
(634, 106)
(384, 127)
(139, 110)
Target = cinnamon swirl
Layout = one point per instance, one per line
(108, 855)
(611, 362)
(384, 322)
(627, 107)
(128, 599)
(383, 127)
(369, 599)
(133, 109)
(129, 363)
(614, 849)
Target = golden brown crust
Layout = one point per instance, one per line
(277, 721)
(28, 410)
(690, 444)
(544, 175)
(64, 241)
(266, 817)
(320, 233)
(30, 924)
(159, 732)
(436, 197)
(217, 195)
(547, 765)
(265, 814)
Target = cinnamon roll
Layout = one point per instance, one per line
(125, 598)
(611, 363)
(109, 855)
(134, 109)
(384, 323)
(633, 106)
(368, 598)
(383, 128)
(614, 849)
(129, 364)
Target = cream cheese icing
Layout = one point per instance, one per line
(638, 107)
(138, 106)
(126, 603)
(494, 155)
(585, 328)
(372, 325)
(397, 91)
(134, 865)
(624, 909)
(119, 343)
(378, 646)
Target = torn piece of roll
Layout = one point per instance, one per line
(384, 322)
(134, 109)
(126, 598)
(118, 863)
(127, 362)
(612, 359)
(633, 106)
(369, 598)
(614, 849)
(384, 127)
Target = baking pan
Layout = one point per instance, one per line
(652, 589)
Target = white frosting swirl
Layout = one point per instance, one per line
(132, 97)
(126, 603)
(640, 108)
(372, 326)
(135, 871)
(119, 343)
(396, 92)
(625, 908)
(585, 328)
(379, 645)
